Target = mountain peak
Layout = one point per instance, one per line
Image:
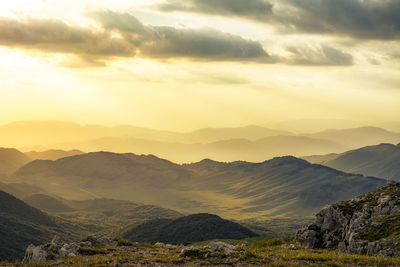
(207, 163)
(286, 160)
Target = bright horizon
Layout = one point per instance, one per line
(184, 65)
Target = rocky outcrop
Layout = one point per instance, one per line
(57, 249)
(368, 224)
(213, 249)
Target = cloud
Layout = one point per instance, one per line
(250, 9)
(361, 19)
(318, 56)
(122, 35)
(167, 42)
(51, 35)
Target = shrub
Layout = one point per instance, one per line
(268, 242)
(124, 243)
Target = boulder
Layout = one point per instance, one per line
(191, 252)
(362, 225)
(97, 240)
(58, 249)
(220, 247)
(69, 250)
(34, 254)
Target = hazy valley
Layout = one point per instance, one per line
(199, 133)
(250, 143)
(142, 197)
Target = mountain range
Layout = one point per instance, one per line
(250, 143)
(379, 160)
(52, 154)
(358, 137)
(285, 186)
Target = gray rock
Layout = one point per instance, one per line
(102, 241)
(191, 252)
(220, 247)
(346, 225)
(69, 249)
(34, 254)
(53, 250)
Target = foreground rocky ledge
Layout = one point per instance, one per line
(263, 252)
(368, 224)
(96, 245)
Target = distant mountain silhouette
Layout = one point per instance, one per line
(191, 228)
(250, 143)
(281, 186)
(51, 133)
(319, 159)
(315, 125)
(10, 160)
(225, 150)
(381, 161)
(209, 135)
(52, 154)
(359, 137)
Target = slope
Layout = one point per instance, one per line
(10, 160)
(279, 187)
(191, 228)
(282, 186)
(21, 225)
(379, 160)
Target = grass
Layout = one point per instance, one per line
(268, 252)
(124, 243)
(268, 242)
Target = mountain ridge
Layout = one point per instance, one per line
(377, 160)
(282, 186)
(10, 160)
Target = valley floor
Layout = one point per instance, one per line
(258, 253)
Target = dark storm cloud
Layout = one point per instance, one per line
(135, 38)
(359, 19)
(251, 9)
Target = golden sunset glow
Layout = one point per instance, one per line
(199, 133)
(316, 75)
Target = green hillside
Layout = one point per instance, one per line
(108, 214)
(192, 228)
(285, 186)
(21, 225)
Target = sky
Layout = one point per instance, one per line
(187, 64)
